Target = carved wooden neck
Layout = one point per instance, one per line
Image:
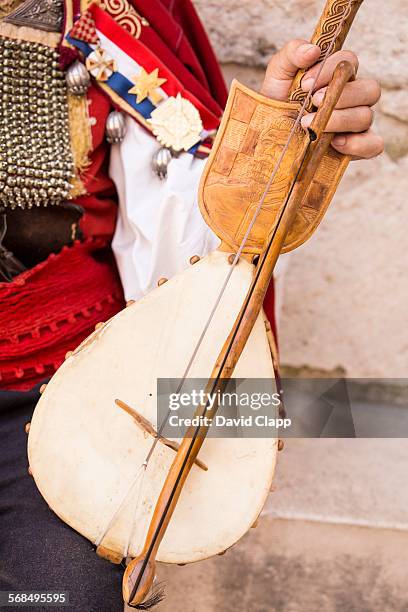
(332, 16)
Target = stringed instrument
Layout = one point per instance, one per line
(95, 447)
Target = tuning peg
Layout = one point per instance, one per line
(29, 470)
(281, 445)
(129, 303)
(255, 259)
(255, 525)
(27, 427)
(108, 554)
(231, 258)
(43, 388)
(162, 281)
(221, 554)
(69, 354)
(99, 325)
(195, 259)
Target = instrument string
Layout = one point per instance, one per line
(224, 287)
(134, 516)
(139, 478)
(199, 427)
(255, 216)
(247, 301)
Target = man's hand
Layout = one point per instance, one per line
(353, 116)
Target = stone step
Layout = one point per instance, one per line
(357, 482)
(297, 566)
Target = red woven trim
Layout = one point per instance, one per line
(50, 309)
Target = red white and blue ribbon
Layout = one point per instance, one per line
(131, 56)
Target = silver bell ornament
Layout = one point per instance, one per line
(78, 79)
(115, 127)
(160, 162)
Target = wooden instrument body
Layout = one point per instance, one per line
(85, 453)
(251, 137)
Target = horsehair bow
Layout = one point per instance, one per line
(267, 232)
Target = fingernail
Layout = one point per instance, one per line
(307, 120)
(306, 48)
(307, 84)
(339, 141)
(318, 97)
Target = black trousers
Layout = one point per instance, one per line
(38, 552)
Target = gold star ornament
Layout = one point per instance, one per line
(100, 65)
(146, 85)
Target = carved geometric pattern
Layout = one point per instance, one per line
(44, 15)
(250, 139)
(336, 12)
(249, 144)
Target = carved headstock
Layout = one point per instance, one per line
(250, 139)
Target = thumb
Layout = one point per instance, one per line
(284, 66)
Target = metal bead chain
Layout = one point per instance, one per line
(36, 163)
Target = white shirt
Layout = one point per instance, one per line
(159, 226)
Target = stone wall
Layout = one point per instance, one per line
(345, 293)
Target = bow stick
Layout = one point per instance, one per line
(140, 573)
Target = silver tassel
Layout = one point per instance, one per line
(78, 79)
(115, 127)
(160, 162)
